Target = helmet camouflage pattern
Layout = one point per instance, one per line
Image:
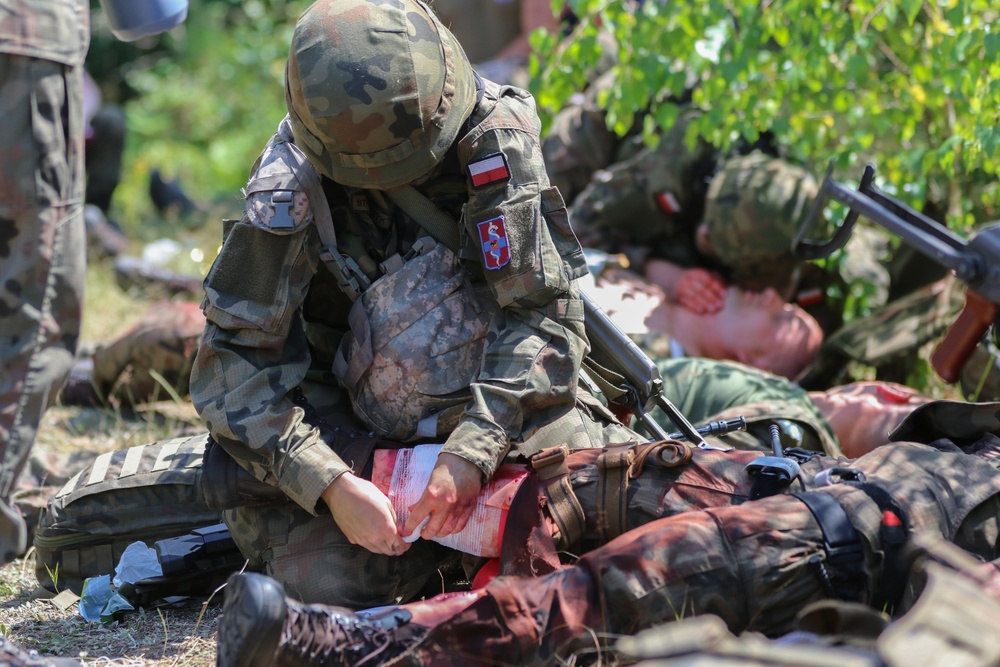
(753, 209)
(376, 90)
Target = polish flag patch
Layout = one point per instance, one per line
(496, 249)
(668, 202)
(490, 169)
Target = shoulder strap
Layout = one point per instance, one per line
(438, 224)
(350, 278)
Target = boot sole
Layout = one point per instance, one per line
(253, 618)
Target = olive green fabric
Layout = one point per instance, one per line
(376, 91)
(148, 493)
(707, 389)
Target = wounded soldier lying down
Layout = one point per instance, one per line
(685, 539)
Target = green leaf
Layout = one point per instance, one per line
(910, 9)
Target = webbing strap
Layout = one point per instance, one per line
(842, 573)
(612, 491)
(439, 224)
(349, 276)
(609, 382)
(565, 509)
(550, 462)
(894, 532)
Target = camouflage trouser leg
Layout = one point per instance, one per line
(42, 254)
(315, 562)
(746, 563)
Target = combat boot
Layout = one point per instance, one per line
(260, 627)
(13, 655)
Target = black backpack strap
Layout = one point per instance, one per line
(894, 531)
(842, 570)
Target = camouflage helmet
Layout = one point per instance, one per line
(376, 90)
(753, 209)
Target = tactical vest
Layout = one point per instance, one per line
(417, 332)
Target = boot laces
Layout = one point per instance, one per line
(321, 637)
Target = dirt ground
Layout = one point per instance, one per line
(146, 638)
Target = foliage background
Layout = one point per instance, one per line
(912, 85)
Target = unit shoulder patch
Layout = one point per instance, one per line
(496, 248)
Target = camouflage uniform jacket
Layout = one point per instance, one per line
(57, 30)
(275, 312)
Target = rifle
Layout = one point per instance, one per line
(975, 262)
(634, 384)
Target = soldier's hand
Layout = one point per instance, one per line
(701, 291)
(449, 498)
(365, 515)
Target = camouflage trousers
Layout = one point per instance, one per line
(748, 564)
(42, 251)
(315, 562)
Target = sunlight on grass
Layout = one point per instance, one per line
(107, 309)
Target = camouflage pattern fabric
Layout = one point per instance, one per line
(164, 340)
(753, 208)
(148, 492)
(276, 315)
(579, 141)
(894, 332)
(359, 126)
(951, 623)
(705, 390)
(313, 560)
(43, 245)
(397, 388)
(748, 564)
(647, 203)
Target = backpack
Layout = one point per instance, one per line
(416, 344)
(148, 493)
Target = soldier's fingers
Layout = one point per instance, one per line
(418, 512)
(457, 520)
(463, 518)
(397, 548)
(434, 526)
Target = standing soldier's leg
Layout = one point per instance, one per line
(42, 256)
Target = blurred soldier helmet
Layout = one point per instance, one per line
(377, 90)
(753, 209)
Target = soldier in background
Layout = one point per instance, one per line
(848, 420)
(42, 252)
(951, 623)
(664, 207)
(756, 328)
(121, 372)
(43, 243)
